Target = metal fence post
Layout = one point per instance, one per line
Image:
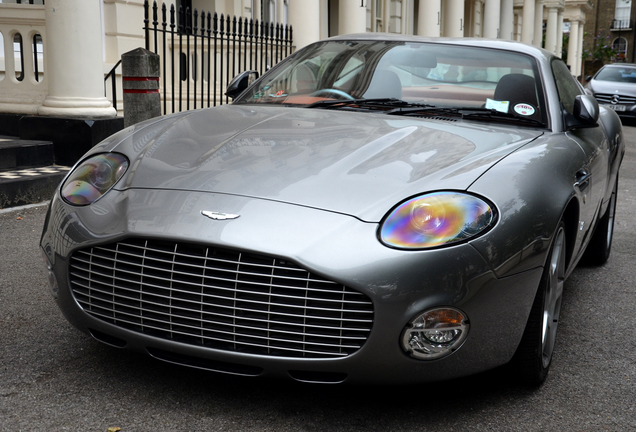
(141, 70)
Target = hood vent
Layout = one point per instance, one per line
(446, 119)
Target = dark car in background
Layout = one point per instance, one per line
(614, 86)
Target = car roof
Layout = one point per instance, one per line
(501, 44)
(618, 65)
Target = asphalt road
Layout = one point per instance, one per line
(54, 378)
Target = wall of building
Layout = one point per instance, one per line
(599, 33)
(122, 22)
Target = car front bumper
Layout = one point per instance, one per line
(338, 247)
(623, 110)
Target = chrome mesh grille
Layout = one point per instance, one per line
(220, 298)
(622, 99)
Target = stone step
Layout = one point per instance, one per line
(18, 153)
(30, 185)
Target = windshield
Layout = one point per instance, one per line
(437, 75)
(617, 74)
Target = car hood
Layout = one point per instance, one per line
(360, 164)
(613, 87)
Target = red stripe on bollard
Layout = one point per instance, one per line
(140, 78)
(140, 91)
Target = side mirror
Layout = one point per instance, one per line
(589, 77)
(586, 109)
(586, 113)
(241, 82)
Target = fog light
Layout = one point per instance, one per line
(50, 275)
(435, 333)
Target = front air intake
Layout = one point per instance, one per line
(219, 298)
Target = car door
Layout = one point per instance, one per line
(590, 180)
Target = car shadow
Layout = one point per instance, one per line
(628, 121)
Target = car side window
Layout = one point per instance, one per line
(567, 86)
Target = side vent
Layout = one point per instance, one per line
(108, 339)
(205, 364)
(318, 377)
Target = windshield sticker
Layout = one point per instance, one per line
(279, 93)
(501, 106)
(258, 95)
(524, 109)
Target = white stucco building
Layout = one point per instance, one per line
(82, 40)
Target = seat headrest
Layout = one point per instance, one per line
(384, 84)
(517, 88)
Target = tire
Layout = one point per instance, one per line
(532, 360)
(598, 250)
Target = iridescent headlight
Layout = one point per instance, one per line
(93, 178)
(436, 219)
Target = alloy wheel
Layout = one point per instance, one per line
(553, 296)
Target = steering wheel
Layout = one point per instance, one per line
(343, 95)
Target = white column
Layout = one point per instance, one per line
(538, 24)
(453, 18)
(506, 24)
(516, 27)
(527, 25)
(352, 17)
(492, 18)
(573, 46)
(551, 30)
(579, 57)
(324, 19)
(407, 17)
(256, 13)
(478, 19)
(74, 60)
(305, 22)
(560, 33)
(429, 18)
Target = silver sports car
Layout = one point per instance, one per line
(375, 208)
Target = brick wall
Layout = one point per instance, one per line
(598, 32)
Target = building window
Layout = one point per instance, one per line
(184, 16)
(378, 16)
(185, 4)
(269, 11)
(620, 46)
(622, 14)
(275, 11)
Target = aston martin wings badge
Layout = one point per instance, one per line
(218, 215)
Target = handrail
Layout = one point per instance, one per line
(111, 74)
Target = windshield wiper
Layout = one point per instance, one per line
(394, 106)
(464, 113)
(422, 109)
(367, 103)
(475, 113)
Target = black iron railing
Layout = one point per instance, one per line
(201, 52)
(113, 83)
(621, 24)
